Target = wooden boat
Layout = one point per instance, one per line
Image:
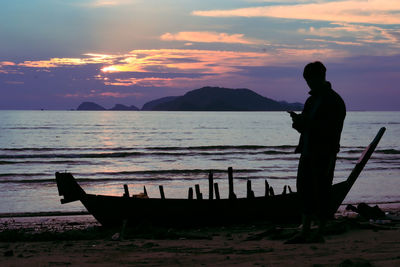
(114, 210)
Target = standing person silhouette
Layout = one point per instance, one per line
(320, 125)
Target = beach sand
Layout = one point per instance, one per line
(79, 241)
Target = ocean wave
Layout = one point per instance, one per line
(103, 180)
(32, 128)
(347, 158)
(80, 155)
(387, 151)
(223, 147)
(129, 151)
(28, 181)
(353, 151)
(20, 149)
(7, 162)
(380, 169)
(22, 174)
(175, 171)
(74, 162)
(137, 154)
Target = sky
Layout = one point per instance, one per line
(55, 54)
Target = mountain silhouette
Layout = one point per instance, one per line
(150, 105)
(90, 106)
(95, 106)
(220, 99)
(207, 99)
(123, 107)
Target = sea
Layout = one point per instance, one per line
(106, 149)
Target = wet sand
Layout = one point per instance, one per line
(80, 241)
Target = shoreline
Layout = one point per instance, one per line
(80, 240)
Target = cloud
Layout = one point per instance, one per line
(89, 58)
(168, 67)
(94, 94)
(7, 67)
(335, 42)
(362, 34)
(52, 63)
(206, 37)
(145, 75)
(107, 3)
(355, 11)
(119, 94)
(152, 81)
(6, 63)
(15, 82)
(173, 67)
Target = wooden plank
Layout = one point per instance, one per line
(190, 193)
(210, 185)
(126, 190)
(230, 178)
(161, 191)
(271, 191)
(266, 188)
(250, 193)
(199, 195)
(362, 161)
(284, 190)
(290, 189)
(216, 189)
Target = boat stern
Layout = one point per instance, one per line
(68, 187)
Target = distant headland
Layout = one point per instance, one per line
(207, 99)
(94, 106)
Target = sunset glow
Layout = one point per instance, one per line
(144, 53)
(110, 69)
(372, 11)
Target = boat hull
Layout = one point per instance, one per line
(111, 210)
(114, 210)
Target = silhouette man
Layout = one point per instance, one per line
(320, 125)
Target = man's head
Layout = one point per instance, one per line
(314, 74)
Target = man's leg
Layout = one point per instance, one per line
(325, 177)
(304, 190)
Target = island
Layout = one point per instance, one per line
(207, 99)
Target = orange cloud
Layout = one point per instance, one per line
(6, 63)
(209, 61)
(206, 37)
(52, 63)
(119, 94)
(160, 82)
(57, 62)
(355, 11)
(6, 67)
(180, 67)
(106, 3)
(211, 67)
(93, 94)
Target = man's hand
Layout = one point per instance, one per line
(292, 114)
(296, 119)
